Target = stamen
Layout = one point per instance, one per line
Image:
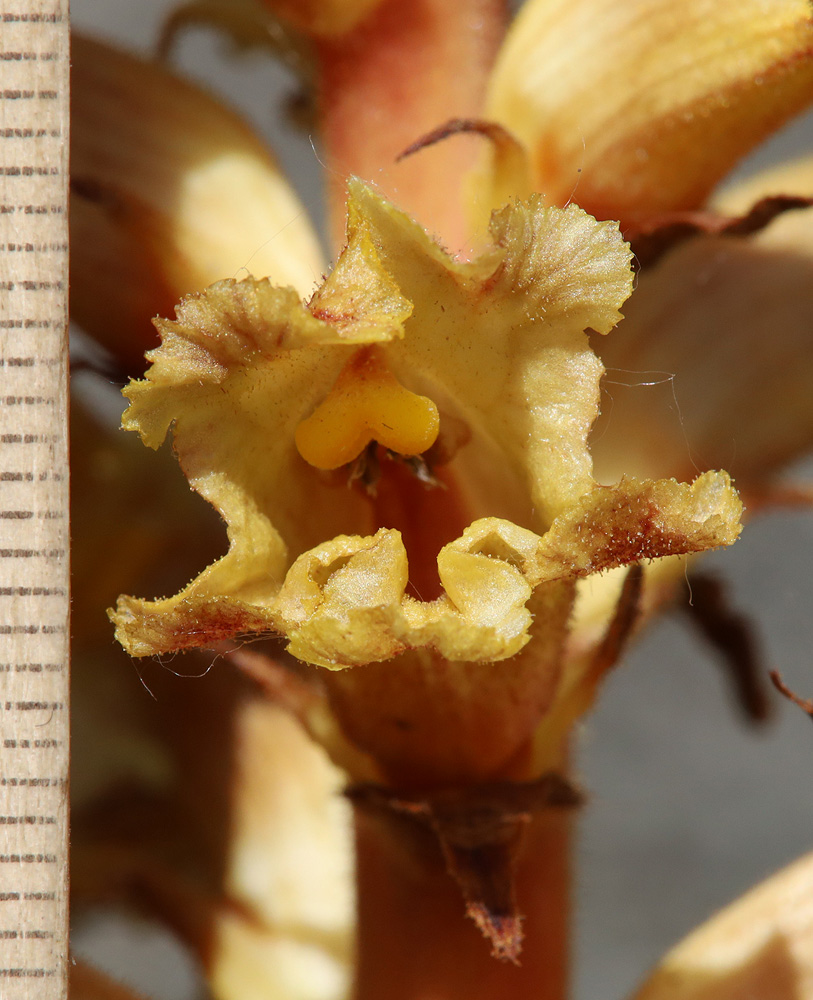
(367, 403)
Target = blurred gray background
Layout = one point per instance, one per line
(689, 806)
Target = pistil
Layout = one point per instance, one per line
(367, 403)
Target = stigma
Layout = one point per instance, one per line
(366, 403)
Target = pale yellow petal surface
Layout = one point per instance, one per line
(289, 864)
(499, 343)
(712, 365)
(238, 370)
(251, 962)
(635, 109)
(759, 946)
(439, 713)
(171, 191)
(235, 362)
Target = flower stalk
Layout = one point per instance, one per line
(414, 942)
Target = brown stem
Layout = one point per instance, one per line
(408, 68)
(414, 940)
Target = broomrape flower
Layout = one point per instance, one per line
(401, 458)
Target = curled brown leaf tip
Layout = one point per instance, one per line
(806, 704)
(459, 126)
(731, 634)
(651, 242)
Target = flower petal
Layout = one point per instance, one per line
(618, 525)
(637, 109)
(760, 946)
(233, 361)
(344, 603)
(245, 362)
(232, 377)
(171, 191)
(497, 345)
(500, 341)
(712, 365)
(438, 713)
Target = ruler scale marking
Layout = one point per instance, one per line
(34, 728)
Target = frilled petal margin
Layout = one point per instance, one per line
(498, 343)
(344, 603)
(635, 109)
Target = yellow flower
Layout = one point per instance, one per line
(265, 395)
(442, 588)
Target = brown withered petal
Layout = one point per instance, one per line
(638, 109)
(171, 191)
(759, 946)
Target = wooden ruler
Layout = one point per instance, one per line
(34, 728)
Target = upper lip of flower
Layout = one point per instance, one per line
(714, 111)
